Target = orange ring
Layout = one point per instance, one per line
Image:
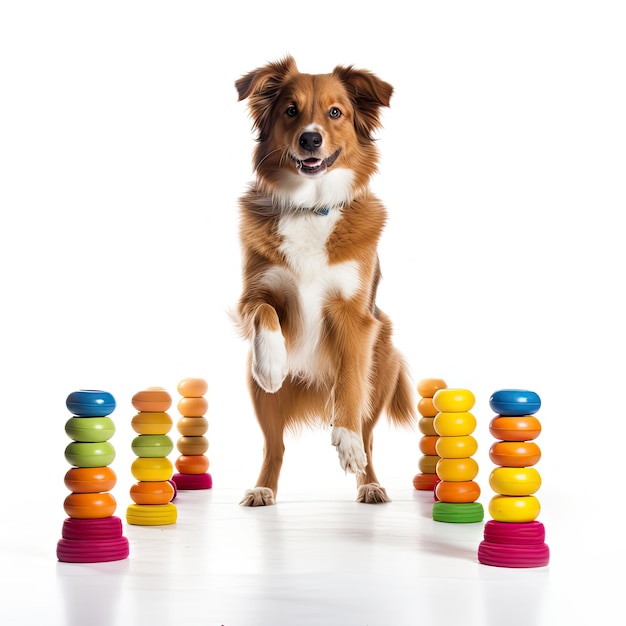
(89, 505)
(427, 445)
(190, 464)
(520, 428)
(192, 387)
(152, 492)
(152, 399)
(428, 387)
(193, 407)
(514, 453)
(90, 479)
(465, 491)
(426, 408)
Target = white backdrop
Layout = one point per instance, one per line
(123, 151)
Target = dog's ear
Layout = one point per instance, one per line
(368, 93)
(262, 86)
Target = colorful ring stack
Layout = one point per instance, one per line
(427, 479)
(91, 533)
(192, 464)
(153, 494)
(456, 492)
(514, 537)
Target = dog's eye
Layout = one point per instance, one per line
(292, 110)
(334, 112)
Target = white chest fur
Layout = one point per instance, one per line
(304, 247)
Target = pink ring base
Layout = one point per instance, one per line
(92, 550)
(513, 555)
(188, 482)
(514, 533)
(105, 528)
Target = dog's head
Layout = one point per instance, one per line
(314, 131)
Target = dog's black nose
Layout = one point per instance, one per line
(310, 141)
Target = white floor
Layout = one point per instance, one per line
(317, 557)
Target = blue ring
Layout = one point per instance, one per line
(90, 403)
(515, 402)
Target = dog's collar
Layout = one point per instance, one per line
(323, 211)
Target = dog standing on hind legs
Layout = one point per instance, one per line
(320, 349)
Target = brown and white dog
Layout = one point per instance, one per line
(321, 350)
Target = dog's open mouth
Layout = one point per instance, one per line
(313, 166)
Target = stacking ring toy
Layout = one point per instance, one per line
(515, 481)
(513, 555)
(158, 469)
(153, 492)
(515, 428)
(455, 424)
(90, 479)
(152, 423)
(457, 469)
(425, 482)
(92, 550)
(192, 387)
(82, 454)
(463, 491)
(155, 515)
(152, 445)
(90, 429)
(102, 528)
(152, 399)
(90, 403)
(428, 387)
(192, 464)
(427, 445)
(515, 402)
(193, 481)
(427, 426)
(456, 447)
(515, 453)
(428, 463)
(192, 426)
(458, 512)
(426, 408)
(89, 505)
(518, 509)
(526, 533)
(454, 400)
(193, 407)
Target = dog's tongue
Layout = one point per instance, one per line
(312, 162)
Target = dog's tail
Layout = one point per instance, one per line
(401, 409)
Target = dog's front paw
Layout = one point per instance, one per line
(269, 359)
(372, 493)
(259, 496)
(350, 450)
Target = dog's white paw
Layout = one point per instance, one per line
(372, 493)
(259, 496)
(269, 359)
(350, 449)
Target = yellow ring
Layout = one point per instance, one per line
(456, 447)
(516, 509)
(515, 481)
(457, 470)
(454, 400)
(455, 424)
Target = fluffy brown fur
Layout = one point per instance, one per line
(321, 350)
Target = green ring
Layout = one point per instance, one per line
(458, 512)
